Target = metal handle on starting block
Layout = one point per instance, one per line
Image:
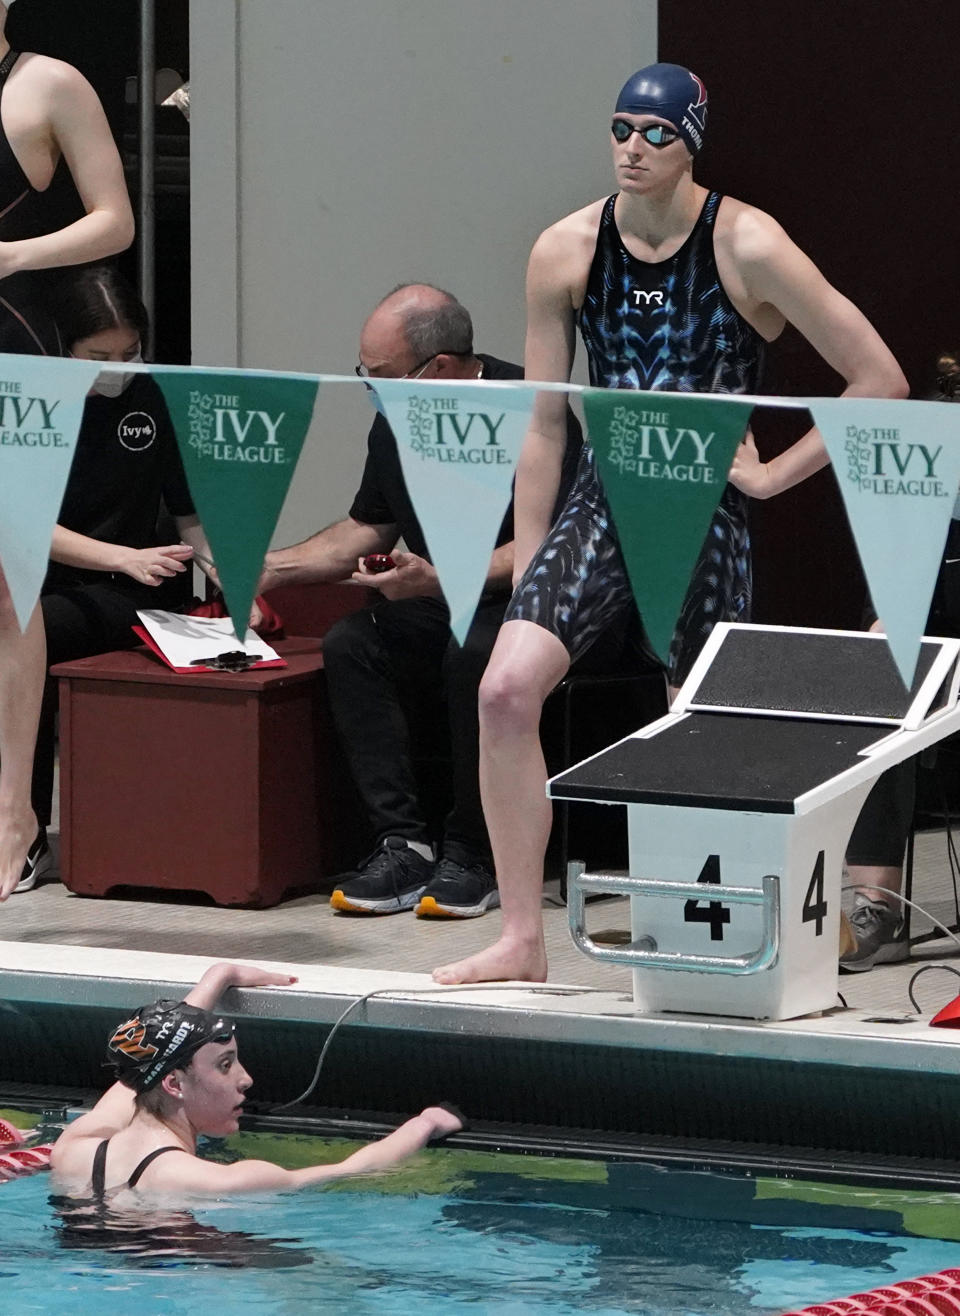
(643, 953)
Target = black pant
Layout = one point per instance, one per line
(397, 681)
(880, 835)
(81, 620)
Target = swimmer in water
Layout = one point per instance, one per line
(179, 1076)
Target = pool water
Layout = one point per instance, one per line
(472, 1232)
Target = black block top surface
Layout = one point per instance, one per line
(721, 761)
(806, 672)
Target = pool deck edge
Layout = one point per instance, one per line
(552, 1013)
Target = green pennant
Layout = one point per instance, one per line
(663, 460)
(240, 437)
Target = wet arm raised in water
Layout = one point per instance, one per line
(190, 1175)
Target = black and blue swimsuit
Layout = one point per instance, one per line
(664, 325)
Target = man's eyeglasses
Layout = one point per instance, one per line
(414, 373)
(657, 135)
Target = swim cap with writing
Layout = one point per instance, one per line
(162, 1037)
(672, 93)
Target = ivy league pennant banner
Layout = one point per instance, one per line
(240, 437)
(41, 407)
(458, 443)
(663, 459)
(898, 467)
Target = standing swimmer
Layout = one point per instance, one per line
(50, 114)
(672, 287)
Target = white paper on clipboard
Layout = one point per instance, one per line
(183, 640)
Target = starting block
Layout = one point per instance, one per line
(740, 803)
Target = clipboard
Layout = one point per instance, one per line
(212, 637)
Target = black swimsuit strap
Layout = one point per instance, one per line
(148, 1160)
(6, 64)
(99, 1169)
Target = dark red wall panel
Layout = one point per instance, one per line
(840, 118)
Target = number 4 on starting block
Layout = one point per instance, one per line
(751, 786)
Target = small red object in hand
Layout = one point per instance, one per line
(377, 562)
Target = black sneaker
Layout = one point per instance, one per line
(388, 881)
(39, 860)
(876, 928)
(459, 891)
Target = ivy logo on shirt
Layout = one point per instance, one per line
(137, 431)
(439, 430)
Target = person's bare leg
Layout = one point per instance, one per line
(22, 672)
(526, 663)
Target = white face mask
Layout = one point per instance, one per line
(110, 384)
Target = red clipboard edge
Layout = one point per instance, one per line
(151, 644)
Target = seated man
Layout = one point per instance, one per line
(396, 665)
(179, 1076)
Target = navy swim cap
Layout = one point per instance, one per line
(672, 93)
(162, 1037)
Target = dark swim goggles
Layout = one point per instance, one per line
(657, 135)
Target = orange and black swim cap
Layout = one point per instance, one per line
(162, 1037)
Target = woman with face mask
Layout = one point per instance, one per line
(107, 557)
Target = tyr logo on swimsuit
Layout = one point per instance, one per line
(648, 297)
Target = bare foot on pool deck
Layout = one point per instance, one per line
(503, 961)
(17, 834)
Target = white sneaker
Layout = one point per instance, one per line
(39, 860)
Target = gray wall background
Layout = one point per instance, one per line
(339, 148)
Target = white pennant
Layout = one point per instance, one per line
(41, 407)
(898, 467)
(458, 441)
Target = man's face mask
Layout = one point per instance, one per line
(110, 384)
